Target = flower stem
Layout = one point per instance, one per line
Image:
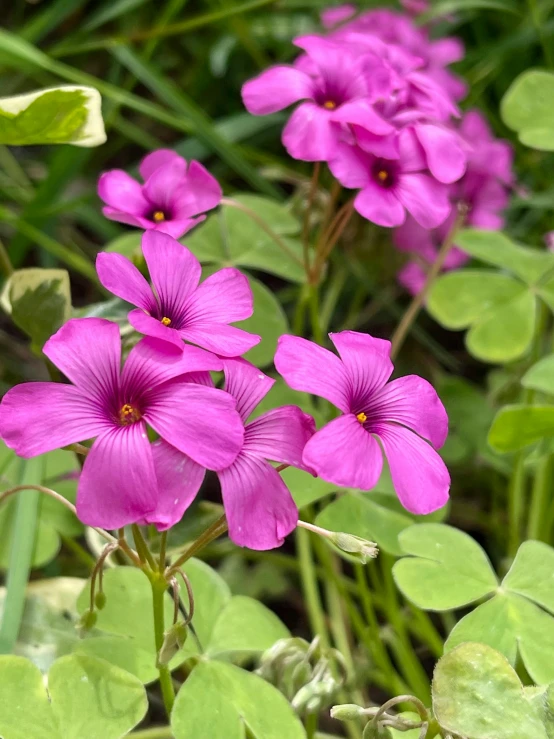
(142, 547)
(159, 586)
(212, 532)
(516, 503)
(309, 585)
(163, 547)
(415, 306)
(311, 725)
(317, 332)
(540, 498)
(307, 214)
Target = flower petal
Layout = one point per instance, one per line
(310, 368)
(380, 205)
(174, 271)
(120, 276)
(363, 114)
(156, 159)
(200, 421)
(150, 326)
(178, 227)
(227, 341)
(88, 352)
(351, 166)
(36, 417)
(118, 485)
(224, 297)
(345, 454)
(153, 362)
(246, 383)
(413, 402)
(367, 362)
(445, 157)
(179, 480)
(160, 187)
(119, 190)
(259, 508)
(280, 435)
(200, 192)
(425, 198)
(275, 89)
(419, 475)
(379, 146)
(120, 216)
(310, 134)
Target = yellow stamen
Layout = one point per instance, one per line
(166, 321)
(129, 414)
(158, 216)
(330, 104)
(362, 418)
(383, 176)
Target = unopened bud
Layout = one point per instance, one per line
(100, 600)
(87, 621)
(347, 712)
(360, 548)
(174, 640)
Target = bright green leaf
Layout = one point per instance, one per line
(40, 301)
(25, 710)
(496, 248)
(304, 487)
(230, 636)
(220, 700)
(477, 694)
(532, 574)
(541, 376)
(61, 115)
(517, 426)
(528, 108)
(447, 569)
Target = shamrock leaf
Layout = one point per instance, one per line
(478, 695)
(499, 310)
(540, 376)
(60, 115)
(517, 426)
(449, 570)
(528, 108)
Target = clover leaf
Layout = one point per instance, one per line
(528, 108)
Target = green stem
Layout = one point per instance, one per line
(5, 263)
(516, 503)
(298, 321)
(212, 532)
(158, 592)
(307, 214)
(310, 588)
(163, 548)
(317, 332)
(424, 628)
(142, 547)
(311, 725)
(534, 11)
(540, 499)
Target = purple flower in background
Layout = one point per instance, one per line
(259, 508)
(178, 308)
(118, 484)
(549, 240)
(171, 198)
(405, 415)
(332, 87)
(389, 188)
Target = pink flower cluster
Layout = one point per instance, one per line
(375, 100)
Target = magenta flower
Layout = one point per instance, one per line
(177, 307)
(389, 188)
(332, 87)
(260, 510)
(171, 199)
(118, 484)
(406, 416)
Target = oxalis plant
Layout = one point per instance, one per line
(257, 396)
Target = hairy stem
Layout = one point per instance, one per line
(211, 533)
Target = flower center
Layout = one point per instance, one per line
(166, 321)
(158, 216)
(330, 105)
(382, 175)
(361, 417)
(128, 414)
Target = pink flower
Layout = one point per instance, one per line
(333, 85)
(259, 508)
(171, 198)
(549, 240)
(415, 7)
(178, 307)
(331, 17)
(406, 416)
(119, 484)
(389, 188)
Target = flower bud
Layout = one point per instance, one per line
(86, 622)
(347, 712)
(100, 600)
(361, 549)
(174, 639)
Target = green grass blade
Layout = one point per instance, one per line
(50, 18)
(204, 128)
(23, 543)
